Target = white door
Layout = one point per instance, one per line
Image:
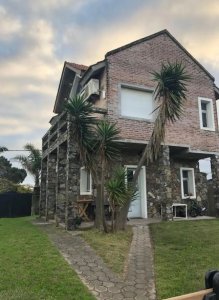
(138, 207)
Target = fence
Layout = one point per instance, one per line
(210, 293)
(14, 204)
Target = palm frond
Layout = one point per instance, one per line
(170, 95)
(31, 162)
(118, 189)
(82, 120)
(106, 135)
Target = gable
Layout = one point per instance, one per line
(149, 39)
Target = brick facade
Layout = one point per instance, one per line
(133, 66)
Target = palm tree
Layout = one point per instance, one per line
(2, 149)
(32, 162)
(170, 95)
(96, 144)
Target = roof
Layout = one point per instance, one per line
(77, 66)
(165, 31)
(92, 69)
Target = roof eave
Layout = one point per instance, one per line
(66, 65)
(91, 70)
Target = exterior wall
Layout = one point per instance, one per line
(101, 102)
(200, 180)
(163, 182)
(133, 66)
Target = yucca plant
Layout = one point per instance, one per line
(119, 192)
(83, 120)
(96, 143)
(169, 97)
(107, 151)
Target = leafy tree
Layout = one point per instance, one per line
(2, 149)
(7, 186)
(170, 95)
(31, 162)
(10, 173)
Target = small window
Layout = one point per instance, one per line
(85, 182)
(206, 114)
(136, 103)
(187, 183)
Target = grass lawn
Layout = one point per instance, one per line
(31, 267)
(113, 248)
(184, 251)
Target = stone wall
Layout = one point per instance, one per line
(42, 206)
(61, 183)
(51, 186)
(163, 182)
(72, 180)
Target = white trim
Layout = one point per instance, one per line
(142, 177)
(193, 182)
(210, 102)
(217, 107)
(81, 187)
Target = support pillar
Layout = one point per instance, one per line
(72, 181)
(61, 183)
(42, 206)
(215, 181)
(51, 186)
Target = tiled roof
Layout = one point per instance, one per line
(77, 66)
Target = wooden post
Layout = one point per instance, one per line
(194, 296)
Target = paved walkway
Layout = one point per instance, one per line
(138, 282)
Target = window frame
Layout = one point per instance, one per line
(211, 113)
(193, 182)
(137, 88)
(81, 186)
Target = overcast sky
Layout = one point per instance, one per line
(36, 37)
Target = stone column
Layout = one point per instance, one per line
(42, 208)
(215, 179)
(72, 180)
(61, 183)
(165, 184)
(51, 186)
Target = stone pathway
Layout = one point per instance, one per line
(138, 282)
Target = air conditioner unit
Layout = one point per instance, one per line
(91, 90)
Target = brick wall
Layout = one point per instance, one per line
(132, 66)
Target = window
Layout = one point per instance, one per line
(206, 114)
(85, 182)
(136, 103)
(187, 183)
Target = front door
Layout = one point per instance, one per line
(137, 207)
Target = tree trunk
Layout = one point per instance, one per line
(103, 195)
(98, 211)
(121, 218)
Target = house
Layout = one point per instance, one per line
(121, 87)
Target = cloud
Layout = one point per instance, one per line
(9, 25)
(41, 36)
